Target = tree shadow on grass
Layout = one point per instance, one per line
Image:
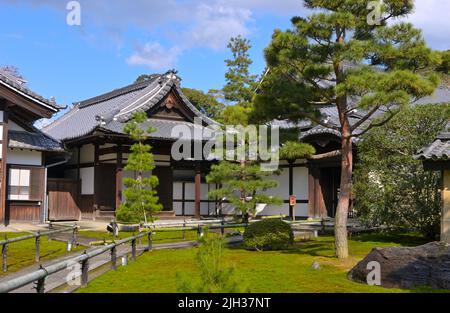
(403, 239)
(310, 248)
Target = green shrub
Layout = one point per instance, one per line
(269, 234)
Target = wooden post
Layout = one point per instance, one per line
(119, 177)
(150, 244)
(222, 228)
(133, 249)
(114, 258)
(40, 284)
(183, 200)
(198, 183)
(3, 163)
(75, 236)
(96, 164)
(311, 195)
(5, 258)
(84, 272)
(37, 256)
(184, 230)
(114, 226)
(291, 189)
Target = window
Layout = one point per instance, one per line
(19, 184)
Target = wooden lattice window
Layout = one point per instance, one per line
(26, 184)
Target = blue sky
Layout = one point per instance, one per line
(119, 40)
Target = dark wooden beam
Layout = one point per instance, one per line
(119, 177)
(311, 190)
(436, 165)
(291, 188)
(183, 196)
(198, 182)
(321, 208)
(3, 162)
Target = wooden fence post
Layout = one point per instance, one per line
(184, 230)
(84, 272)
(133, 249)
(5, 258)
(75, 235)
(200, 231)
(37, 256)
(114, 258)
(40, 284)
(222, 228)
(150, 244)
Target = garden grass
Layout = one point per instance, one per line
(21, 254)
(286, 271)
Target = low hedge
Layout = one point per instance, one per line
(269, 234)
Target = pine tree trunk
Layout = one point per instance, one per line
(340, 223)
(340, 226)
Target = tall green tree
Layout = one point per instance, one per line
(242, 185)
(391, 187)
(340, 56)
(141, 200)
(240, 83)
(144, 77)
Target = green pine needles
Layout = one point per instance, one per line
(141, 200)
(214, 276)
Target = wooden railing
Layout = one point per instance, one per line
(39, 276)
(37, 237)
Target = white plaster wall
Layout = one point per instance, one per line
(111, 156)
(24, 157)
(282, 191)
(87, 180)
(301, 183)
(205, 207)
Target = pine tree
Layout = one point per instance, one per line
(242, 186)
(240, 83)
(347, 56)
(141, 200)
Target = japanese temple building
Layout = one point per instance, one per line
(92, 133)
(25, 151)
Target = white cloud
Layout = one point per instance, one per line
(216, 23)
(154, 55)
(432, 16)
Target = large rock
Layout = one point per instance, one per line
(427, 265)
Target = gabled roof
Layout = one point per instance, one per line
(13, 83)
(439, 150)
(109, 112)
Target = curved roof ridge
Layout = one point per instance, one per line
(116, 93)
(13, 83)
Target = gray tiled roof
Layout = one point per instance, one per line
(439, 149)
(14, 83)
(441, 95)
(111, 110)
(33, 141)
(165, 129)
